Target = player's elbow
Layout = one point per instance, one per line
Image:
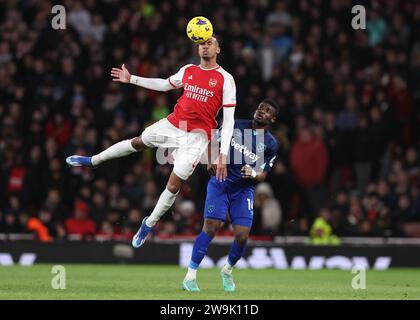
(165, 85)
(167, 88)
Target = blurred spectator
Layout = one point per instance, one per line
(268, 209)
(363, 156)
(134, 218)
(59, 129)
(10, 223)
(186, 218)
(321, 230)
(309, 160)
(80, 224)
(38, 226)
(376, 27)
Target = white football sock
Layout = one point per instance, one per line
(166, 200)
(227, 268)
(118, 150)
(191, 274)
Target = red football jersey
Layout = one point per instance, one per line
(205, 92)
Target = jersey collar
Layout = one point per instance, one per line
(216, 67)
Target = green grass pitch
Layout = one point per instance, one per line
(164, 282)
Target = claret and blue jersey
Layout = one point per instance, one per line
(256, 148)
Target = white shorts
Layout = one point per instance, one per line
(188, 146)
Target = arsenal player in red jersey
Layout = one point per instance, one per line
(207, 89)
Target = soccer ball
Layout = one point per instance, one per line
(199, 29)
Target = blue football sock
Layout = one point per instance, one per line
(235, 253)
(201, 245)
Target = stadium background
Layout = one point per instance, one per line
(348, 125)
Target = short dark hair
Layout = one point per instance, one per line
(272, 103)
(218, 39)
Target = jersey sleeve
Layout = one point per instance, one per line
(176, 79)
(229, 92)
(270, 156)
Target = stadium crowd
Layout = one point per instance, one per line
(348, 126)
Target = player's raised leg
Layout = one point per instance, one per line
(201, 244)
(166, 200)
(188, 149)
(235, 253)
(117, 150)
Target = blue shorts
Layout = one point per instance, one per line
(226, 198)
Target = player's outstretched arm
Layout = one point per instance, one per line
(122, 75)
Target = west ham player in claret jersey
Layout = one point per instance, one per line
(252, 154)
(207, 89)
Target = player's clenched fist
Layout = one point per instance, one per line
(121, 75)
(247, 172)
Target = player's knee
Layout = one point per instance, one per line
(211, 232)
(174, 183)
(173, 187)
(211, 227)
(241, 238)
(137, 143)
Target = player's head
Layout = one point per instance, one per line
(209, 49)
(266, 112)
